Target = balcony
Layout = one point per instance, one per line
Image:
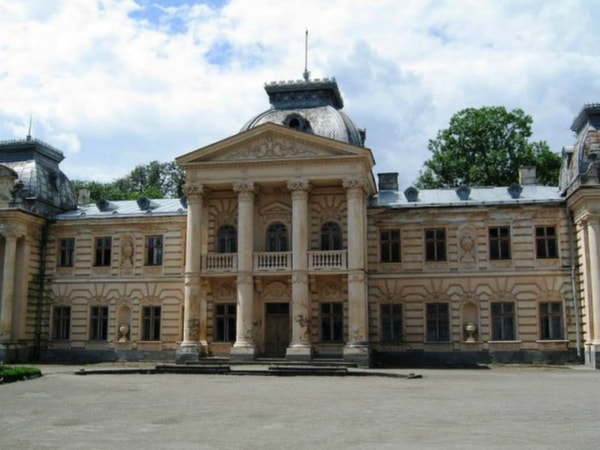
(327, 260)
(318, 260)
(273, 261)
(219, 262)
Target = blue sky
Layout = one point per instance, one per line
(118, 83)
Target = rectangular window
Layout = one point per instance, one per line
(438, 322)
(390, 245)
(66, 251)
(151, 323)
(61, 322)
(154, 250)
(503, 321)
(435, 244)
(499, 243)
(332, 322)
(99, 323)
(545, 242)
(551, 323)
(103, 250)
(225, 323)
(391, 323)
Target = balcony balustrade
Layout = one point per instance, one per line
(327, 260)
(318, 260)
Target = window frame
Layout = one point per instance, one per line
(546, 245)
(331, 236)
(61, 323)
(435, 245)
(331, 320)
(437, 322)
(226, 239)
(500, 244)
(98, 330)
(154, 250)
(503, 323)
(225, 322)
(277, 237)
(103, 251)
(151, 323)
(66, 252)
(390, 247)
(391, 320)
(551, 319)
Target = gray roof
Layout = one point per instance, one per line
(126, 208)
(428, 198)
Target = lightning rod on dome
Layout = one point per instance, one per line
(29, 131)
(306, 73)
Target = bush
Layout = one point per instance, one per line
(9, 374)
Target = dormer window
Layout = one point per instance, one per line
(296, 121)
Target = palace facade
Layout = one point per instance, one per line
(286, 246)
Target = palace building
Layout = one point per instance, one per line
(286, 246)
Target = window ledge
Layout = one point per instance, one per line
(505, 342)
(552, 341)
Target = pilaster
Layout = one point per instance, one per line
(7, 290)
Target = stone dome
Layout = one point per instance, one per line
(312, 106)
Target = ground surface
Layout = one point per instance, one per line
(519, 408)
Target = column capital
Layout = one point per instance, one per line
(299, 184)
(355, 183)
(195, 190)
(245, 190)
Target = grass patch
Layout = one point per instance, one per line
(9, 374)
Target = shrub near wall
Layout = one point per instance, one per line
(9, 374)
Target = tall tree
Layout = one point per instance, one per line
(485, 147)
(152, 180)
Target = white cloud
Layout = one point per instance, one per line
(114, 86)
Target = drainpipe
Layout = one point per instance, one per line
(37, 338)
(573, 287)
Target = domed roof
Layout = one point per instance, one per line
(582, 160)
(43, 187)
(313, 106)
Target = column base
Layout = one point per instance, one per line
(359, 354)
(592, 355)
(14, 352)
(242, 352)
(299, 352)
(189, 352)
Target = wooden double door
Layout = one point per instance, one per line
(277, 329)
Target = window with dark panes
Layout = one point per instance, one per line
(546, 242)
(438, 322)
(390, 245)
(151, 323)
(66, 252)
(551, 322)
(154, 250)
(99, 323)
(435, 244)
(277, 238)
(225, 323)
(503, 321)
(226, 239)
(103, 248)
(499, 239)
(332, 324)
(331, 236)
(391, 323)
(61, 322)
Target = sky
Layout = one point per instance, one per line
(119, 83)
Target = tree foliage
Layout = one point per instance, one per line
(152, 180)
(485, 147)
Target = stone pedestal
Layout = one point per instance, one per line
(359, 354)
(592, 355)
(188, 352)
(299, 352)
(243, 352)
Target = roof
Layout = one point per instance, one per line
(428, 198)
(127, 208)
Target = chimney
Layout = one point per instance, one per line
(388, 181)
(83, 196)
(527, 175)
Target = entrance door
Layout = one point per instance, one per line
(277, 329)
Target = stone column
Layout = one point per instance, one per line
(593, 275)
(8, 287)
(191, 348)
(357, 347)
(244, 348)
(300, 347)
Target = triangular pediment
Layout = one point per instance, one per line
(271, 142)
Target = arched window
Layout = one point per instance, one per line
(277, 238)
(226, 239)
(331, 236)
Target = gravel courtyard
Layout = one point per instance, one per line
(501, 407)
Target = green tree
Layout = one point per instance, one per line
(485, 147)
(152, 180)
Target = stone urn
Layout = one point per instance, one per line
(124, 332)
(470, 330)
